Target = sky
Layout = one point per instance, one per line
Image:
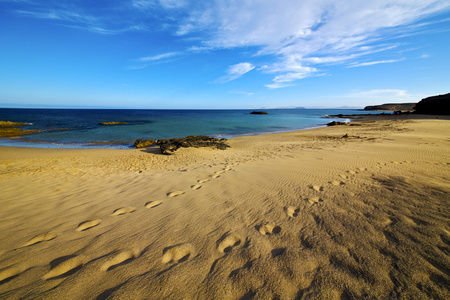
(222, 54)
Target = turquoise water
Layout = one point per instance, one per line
(82, 129)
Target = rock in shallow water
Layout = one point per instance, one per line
(143, 143)
(112, 123)
(259, 113)
(334, 123)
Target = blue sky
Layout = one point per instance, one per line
(222, 53)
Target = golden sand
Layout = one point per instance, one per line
(300, 215)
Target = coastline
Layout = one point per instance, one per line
(308, 213)
(82, 129)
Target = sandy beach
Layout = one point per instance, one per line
(343, 212)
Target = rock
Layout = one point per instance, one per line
(169, 146)
(143, 143)
(435, 105)
(9, 129)
(259, 113)
(112, 123)
(392, 107)
(334, 123)
(9, 124)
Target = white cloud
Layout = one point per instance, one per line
(154, 3)
(277, 85)
(371, 63)
(312, 31)
(236, 71)
(159, 56)
(74, 19)
(293, 37)
(243, 93)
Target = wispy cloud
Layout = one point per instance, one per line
(236, 71)
(146, 61)
(291, 39)
(371, 63)
(159, 56)
(79, 20)
(243, 93)
(155, 3)
(314, 32)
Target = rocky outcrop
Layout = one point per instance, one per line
(10, 129)
(334, 123)
(143, 143)
(169, 146)
(259, 113)
(9, 124)
(112, 123)
(435, 105)
(392, 107)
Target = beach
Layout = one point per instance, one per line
(356, 211)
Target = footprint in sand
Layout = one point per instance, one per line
(203, 180)
(229, 243)
(64, 266)
(337, 183)
(87, 225)
(362, 169)
(178, 253)
(119, 259)
(10, 272)
(343, 176)
(123, 210)
(292, 211)
(40, 238)
(351, 172)
(316, 188)
(152, 204)
(174, 194)
(269, 228)
(215, 176)
(196, 187)
(314, 200)
(220, 172)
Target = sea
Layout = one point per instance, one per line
(80, 128)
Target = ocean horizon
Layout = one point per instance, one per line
(80, 128)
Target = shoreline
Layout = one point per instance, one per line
(354, 118)
(332, 212)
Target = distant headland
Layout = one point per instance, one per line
(434, 105)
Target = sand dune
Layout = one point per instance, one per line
(300, 215)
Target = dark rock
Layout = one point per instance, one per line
(169, 146)
(259, 113)
(143, 143)
(435, 105)
(112, 123)
(334, 123)
(392, 107)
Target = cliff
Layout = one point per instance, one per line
(435, 105)
(392, 107)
